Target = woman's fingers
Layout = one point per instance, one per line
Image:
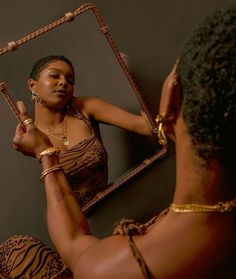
(19, 130)
(17, 137)
(170, 88)
(23, 114)
(21, 107)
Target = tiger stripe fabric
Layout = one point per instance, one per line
(24, 257)
(86, 165)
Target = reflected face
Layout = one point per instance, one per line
(55, 84)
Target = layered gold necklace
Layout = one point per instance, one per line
(221, 207)
(62, 136)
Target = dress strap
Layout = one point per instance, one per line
(139, 258)
(129, 228)
(74, 110)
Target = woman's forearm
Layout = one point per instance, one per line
(65, 219)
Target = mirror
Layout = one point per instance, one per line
(101, 71)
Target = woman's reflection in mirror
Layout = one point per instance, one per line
(72, 124)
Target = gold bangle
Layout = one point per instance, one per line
(48, 152)
(49, 170)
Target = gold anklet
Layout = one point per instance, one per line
(221, 207)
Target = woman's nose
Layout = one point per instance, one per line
(63, 81)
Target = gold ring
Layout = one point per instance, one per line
(28, 121)
(160, 117)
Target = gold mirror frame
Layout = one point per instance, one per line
(67, 18)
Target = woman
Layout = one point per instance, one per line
(195, 236)
(71, 123)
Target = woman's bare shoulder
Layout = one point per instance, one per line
(84, 101)
(87, 105)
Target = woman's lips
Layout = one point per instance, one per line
(60, 92)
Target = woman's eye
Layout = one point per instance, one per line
(58, 76)
(71, 82)
(54, 75)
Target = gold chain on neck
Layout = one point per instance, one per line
(59, 136)
(221, 207)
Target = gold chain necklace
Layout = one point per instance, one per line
(221, 207)
(59, 136)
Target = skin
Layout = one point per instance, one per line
(180, 245)
(55, 88)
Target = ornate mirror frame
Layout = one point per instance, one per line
(67, 18)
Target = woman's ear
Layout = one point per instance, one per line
(31, 84)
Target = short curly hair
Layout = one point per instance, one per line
(207, 70)
(43, 62)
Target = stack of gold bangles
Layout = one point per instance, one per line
(48, 152)
(49, 170)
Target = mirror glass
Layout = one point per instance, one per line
(98, 74)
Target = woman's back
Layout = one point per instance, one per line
(195, 245)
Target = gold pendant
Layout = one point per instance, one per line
(66, 142)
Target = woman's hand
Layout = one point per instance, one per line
(170, 92)
(28, 139)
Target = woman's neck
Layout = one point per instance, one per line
(198, 181)
(46, 118)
